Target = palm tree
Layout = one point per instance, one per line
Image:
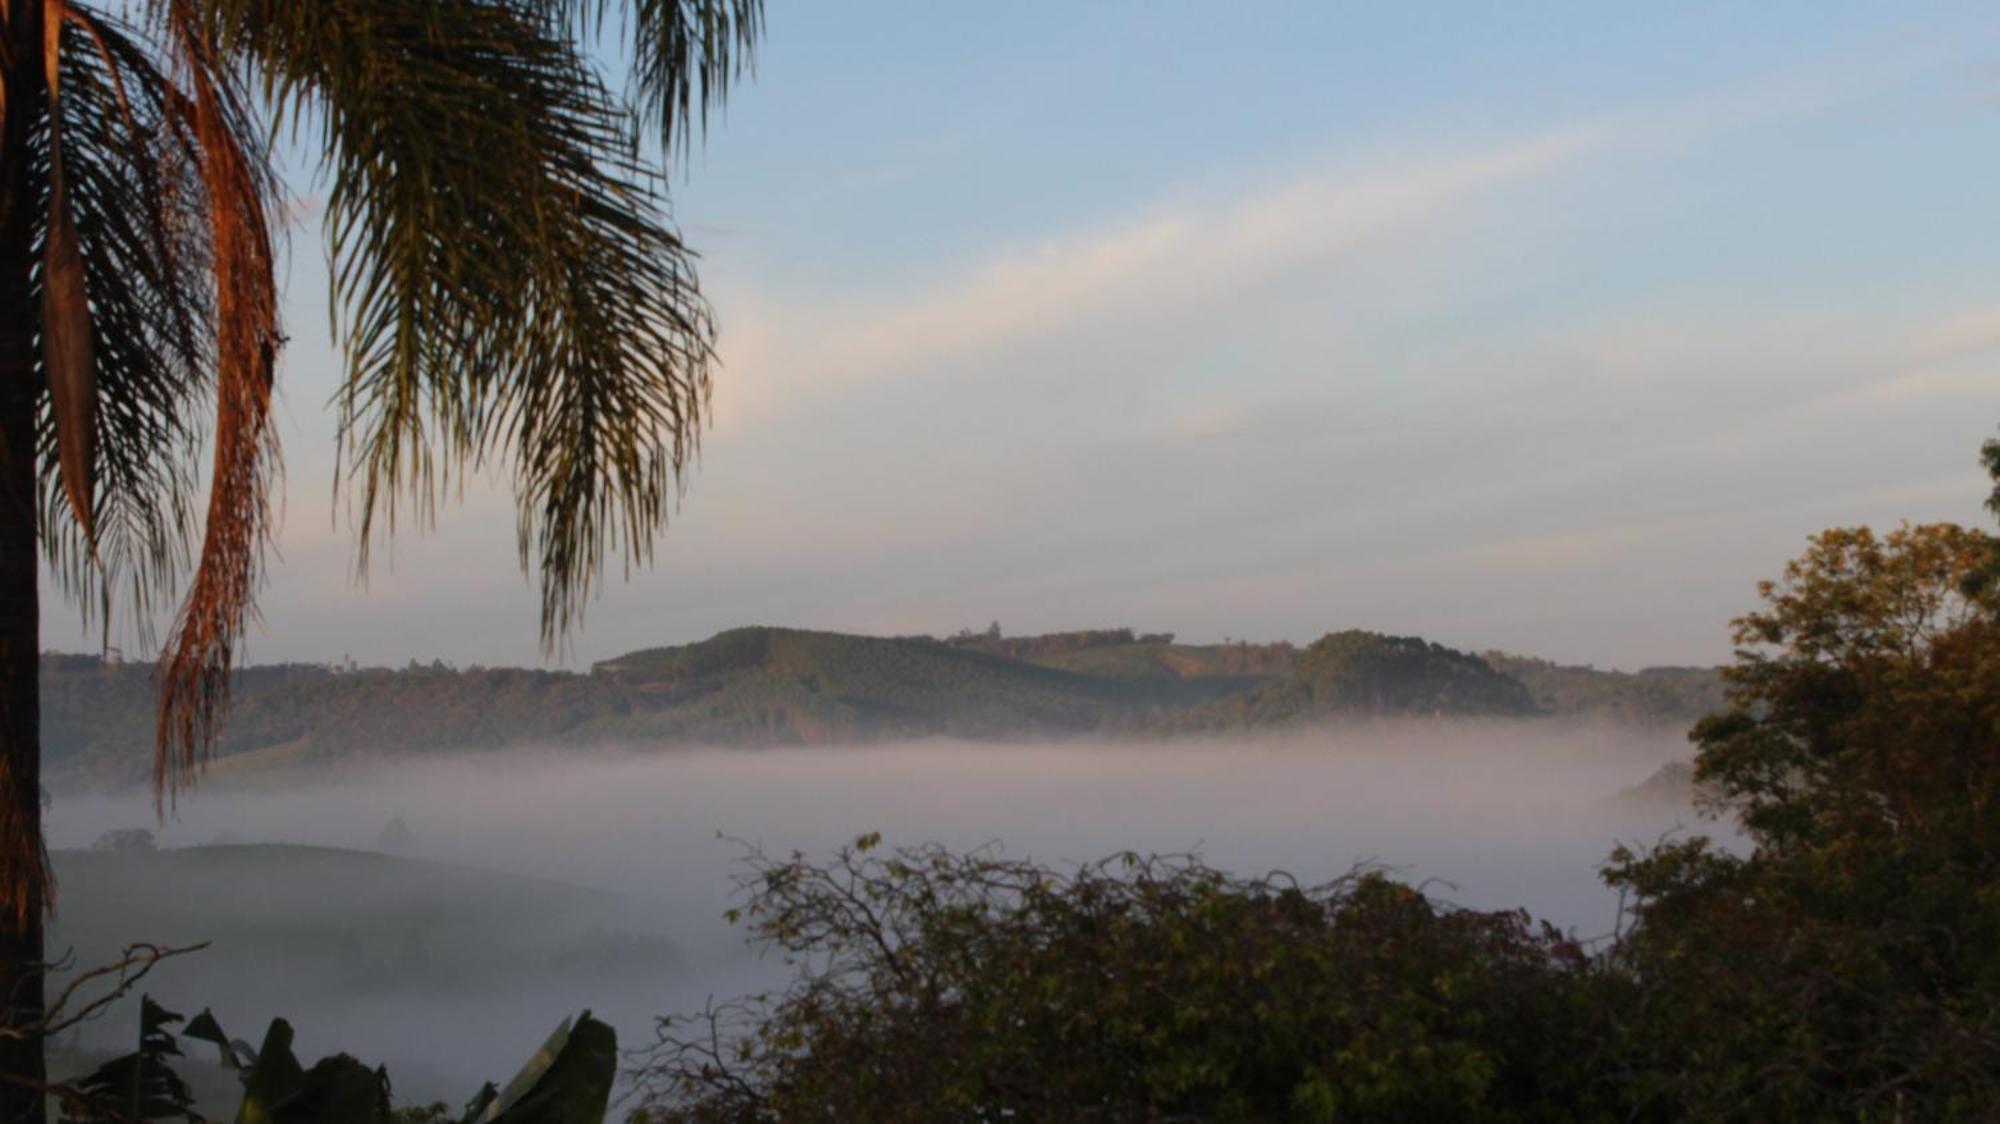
(509, 291)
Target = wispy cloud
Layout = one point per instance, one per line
(1168, 261)
(1174, 258)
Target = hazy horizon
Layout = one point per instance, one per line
(1486, 814)
(581, 667)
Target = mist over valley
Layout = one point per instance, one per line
(433, 908)
(490, 489)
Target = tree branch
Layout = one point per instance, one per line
(137, 960)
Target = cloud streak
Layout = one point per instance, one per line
(1173, 260)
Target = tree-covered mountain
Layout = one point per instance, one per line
(1677, 696)
(1367, 673)
(781, 685)
(777, 686)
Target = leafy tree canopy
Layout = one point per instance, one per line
(939, 986)
(1849, 964)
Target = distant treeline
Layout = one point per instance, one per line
(774, 686)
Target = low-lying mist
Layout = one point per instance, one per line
(451, 977)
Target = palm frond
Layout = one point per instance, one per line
(137, 210)
(510, 287)
(172, 210)
(69, 361)
(684, 56)
(239, 188)
(114, 305)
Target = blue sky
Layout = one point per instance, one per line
(1550, 328)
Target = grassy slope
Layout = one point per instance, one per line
(771, 684)
(753, 686)
(1357, 672)
(1182, 674)
(758, 686)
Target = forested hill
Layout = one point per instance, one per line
(775, 686)
(1358, 672)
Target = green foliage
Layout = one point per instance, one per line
(1653, 696)
(1989, 458)
(934, 987)
(780, 684)
(511, 288)
(1189, 673)
(141, 1085)
(278, 1090)
(1367, 673)
(567, 1081)
(1849, 965)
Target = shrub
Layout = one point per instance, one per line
(938, 986)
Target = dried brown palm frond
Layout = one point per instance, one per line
(238, 188)
(158, 190)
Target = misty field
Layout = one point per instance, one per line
(528, 886)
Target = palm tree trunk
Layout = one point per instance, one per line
(21, 953)
(22, 859)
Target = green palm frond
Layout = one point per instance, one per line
(509, 290)
(510, 287)
(684, 54)
(136, 206)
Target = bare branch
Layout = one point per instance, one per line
(118, 977)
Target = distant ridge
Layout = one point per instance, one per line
(792, 685)
(767, 686)
(1367, 673)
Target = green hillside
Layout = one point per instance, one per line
(1675, 696)
(1188, 672)
(97, 721)
(791, 685)
(779, 686)
(1367, 673)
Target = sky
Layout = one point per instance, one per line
(1550, 328)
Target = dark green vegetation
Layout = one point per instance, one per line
(770, 686)
(943, 987)
(1366, 673)
(568, 1081)
(1850, 966)
(1847, 967)
(1673, 696)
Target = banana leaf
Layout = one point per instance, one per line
(568, 1081)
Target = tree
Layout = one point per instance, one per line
(1849, 965)
(1989, 456)
(938, 986)
(510, 291)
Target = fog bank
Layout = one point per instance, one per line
(1501, 814)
